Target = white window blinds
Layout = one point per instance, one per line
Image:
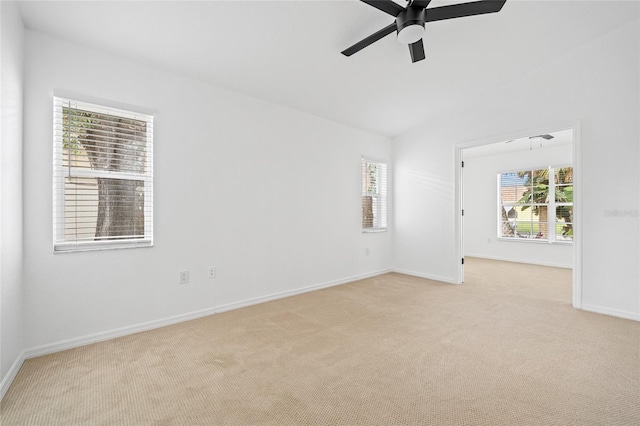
(374, 195)
(103, 177)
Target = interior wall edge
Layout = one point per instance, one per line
(8, 379)
(11, 193)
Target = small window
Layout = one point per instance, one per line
(536, 204)
(102, 177)
(374, 196)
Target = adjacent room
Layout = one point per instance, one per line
(521, 191)
(257, 212)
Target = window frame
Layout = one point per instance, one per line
(61, 172)
(380, 213)
(551, 204)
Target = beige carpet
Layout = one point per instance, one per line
(506, 348)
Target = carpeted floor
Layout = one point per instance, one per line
(505, 348)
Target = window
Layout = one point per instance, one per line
(374, 196)
(102, 177)
(536, 204)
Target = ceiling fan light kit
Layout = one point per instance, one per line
(410, 21)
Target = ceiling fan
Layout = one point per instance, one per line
(410, 21)
(546, 137)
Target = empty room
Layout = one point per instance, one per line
(331, 212)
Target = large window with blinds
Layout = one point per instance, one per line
(536, 204)
(103, 177)
(374, 196)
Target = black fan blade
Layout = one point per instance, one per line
(464, 9)
(386, 6)
(369, 40)
(417, 51)
(420, 3)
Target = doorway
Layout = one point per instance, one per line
(505, 213)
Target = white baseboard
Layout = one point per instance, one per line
(11, 374)
(112, 334)
(532, 262)
(612, 312)
(289, 293)
(150, 325)
(427, 276)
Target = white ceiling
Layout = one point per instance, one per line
(288, 52)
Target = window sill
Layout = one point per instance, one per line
(535, 241)
(99, 246)
(373, 230)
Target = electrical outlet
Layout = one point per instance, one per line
(366, 251)
(184, 277)
(212, 272)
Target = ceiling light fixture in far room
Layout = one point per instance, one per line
(539, 138)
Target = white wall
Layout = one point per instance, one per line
(11, 302)
(269, 195)
(597, 84)
(480, 196)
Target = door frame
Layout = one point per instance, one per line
(577, 201)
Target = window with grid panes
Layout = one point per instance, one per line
(536, 204)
